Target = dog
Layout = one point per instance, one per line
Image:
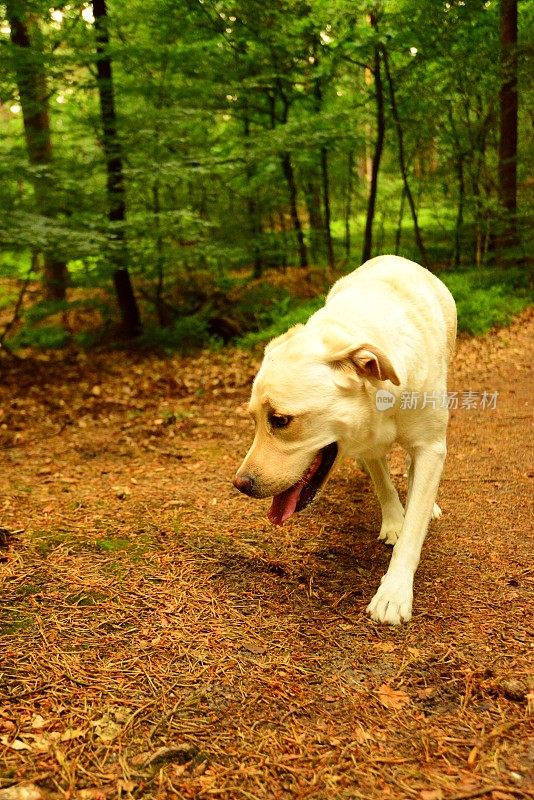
(366, 370)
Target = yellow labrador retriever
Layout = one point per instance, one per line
(366, 370)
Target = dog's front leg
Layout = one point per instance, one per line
(390, 505)
(393, 601)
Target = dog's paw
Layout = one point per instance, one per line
(391, 527)
(393, 601)
(436, 512)
(390, 531)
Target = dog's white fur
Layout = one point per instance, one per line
(390, 325)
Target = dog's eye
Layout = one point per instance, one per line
(279, 420)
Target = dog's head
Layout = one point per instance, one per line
(309, 399)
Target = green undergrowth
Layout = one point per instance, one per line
(280, 324)
(488, 298)
(485, 299)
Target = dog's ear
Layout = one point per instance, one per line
(371, 362)
(368, 360)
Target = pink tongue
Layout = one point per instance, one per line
(284, 504)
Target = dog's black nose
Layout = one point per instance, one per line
(245, 484)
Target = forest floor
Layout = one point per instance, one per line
(159, 638)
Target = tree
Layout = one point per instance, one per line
(116, 191)
(379, 146)
(402, 157)
(32, 87)
(508, 128)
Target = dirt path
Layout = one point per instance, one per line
(160, 639)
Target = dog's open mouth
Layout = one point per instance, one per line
(302, 492)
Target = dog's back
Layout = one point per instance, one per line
(408, 281)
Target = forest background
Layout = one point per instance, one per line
(207, 167)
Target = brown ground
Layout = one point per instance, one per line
(160, 639)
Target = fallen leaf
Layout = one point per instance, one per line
(385, 647)
(362, 736)
(126, 786)
(16, 744)
(72, 733)
(257, 649)
(392, 698)
(473, 757)
(23, 791)
(422, 694)
(42, 742)
(431, 794)
(106, 729)
(122, 492)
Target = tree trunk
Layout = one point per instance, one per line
(508, 101)
(254, 220)
(289, 174)
(402, 159)
(459, 158)
(398, 232)
(348, 205)
(118, 253)
(325, 183)
(32, 86)
(326, 203)
(313, 204)
(457, 254)
(377, 155)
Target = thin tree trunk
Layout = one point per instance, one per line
(313, 204)
(457, 254)
(32, 86)
(289, 174)
(131, 319)
(402, 158)
(325, 183)
(348, 205)
(398, 232)
(377, 155)
(161, 310)
(508, 100)
(254, 220)
(459, 157)
(327, 214)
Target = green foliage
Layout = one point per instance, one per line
(185, 336)
(45, 337)
(488, 298)
(45, 324)
(213, 99)
(281, 321)
(7, 299)
(485, 298)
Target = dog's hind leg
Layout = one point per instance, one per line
(391, 506)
